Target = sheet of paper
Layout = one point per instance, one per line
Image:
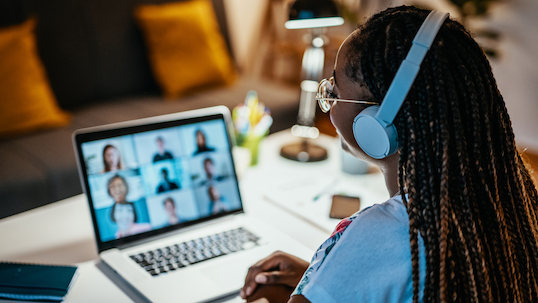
(309, 195)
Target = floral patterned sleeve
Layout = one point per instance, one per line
(323, 251)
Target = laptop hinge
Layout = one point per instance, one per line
(180, 231)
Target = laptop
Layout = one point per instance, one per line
(166, 206)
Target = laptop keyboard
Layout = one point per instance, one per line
(170, 258)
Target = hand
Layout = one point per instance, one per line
(271, 293)
(278, 268)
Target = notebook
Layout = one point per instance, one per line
(36, 282)
(166, 206)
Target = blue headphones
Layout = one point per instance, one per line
(372, 127)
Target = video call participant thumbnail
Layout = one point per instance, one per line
(210, 173)
(201, 143)
(125, 217)
(170, 208)
(166, 184)
(111, 158)
(118, 189)
(217, 202)
(162, 153)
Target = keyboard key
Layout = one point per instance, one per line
(163, 260)
(248, 245)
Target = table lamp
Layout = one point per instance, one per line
(315, 15)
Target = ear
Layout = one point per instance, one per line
(375, 137)
(373, 128)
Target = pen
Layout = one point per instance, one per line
(325, 190)
(262, 126)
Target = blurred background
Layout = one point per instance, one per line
(105, 60)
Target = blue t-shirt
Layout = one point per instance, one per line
(366, 259)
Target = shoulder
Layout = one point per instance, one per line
(391, 210)
(372, 247)
(375, 233)
(376, 218)
(388, 216)
(368, 224)
(365, 225)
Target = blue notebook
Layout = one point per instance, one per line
(35, 282)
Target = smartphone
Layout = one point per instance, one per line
(344, 206)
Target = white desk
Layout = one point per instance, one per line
(61, 233)
(306, 189)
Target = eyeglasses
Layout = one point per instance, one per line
(326, 98)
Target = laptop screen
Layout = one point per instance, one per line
(155, 175)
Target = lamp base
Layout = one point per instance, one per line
(304, 151)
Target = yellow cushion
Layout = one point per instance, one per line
(27, 102)
(186, 48)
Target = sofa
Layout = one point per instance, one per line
(96, 61)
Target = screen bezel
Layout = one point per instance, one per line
(144, 125)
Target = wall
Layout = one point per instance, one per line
(245, 19)
(517, 69)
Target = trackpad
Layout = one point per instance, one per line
(232, 274)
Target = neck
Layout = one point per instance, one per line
(124, 228)
(389, 167)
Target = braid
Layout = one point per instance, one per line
(469, 195)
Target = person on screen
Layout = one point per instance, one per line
(118, 189)
(201, 143)
(210, 172)
(162, 153)
(170, 208)
(166, 184)
(111, 158)
(216, 201)
(125, 217)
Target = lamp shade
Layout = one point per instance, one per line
(313, 13)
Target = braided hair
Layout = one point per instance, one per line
(470, 195)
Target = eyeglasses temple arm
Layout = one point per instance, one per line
(347, 100)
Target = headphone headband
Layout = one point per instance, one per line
(372, 127)
(408, 70)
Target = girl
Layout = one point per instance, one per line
(462, 223)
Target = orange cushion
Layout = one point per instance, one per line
(186, 48)
(27, 102)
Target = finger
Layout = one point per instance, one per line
(278, 277)
(271, 261)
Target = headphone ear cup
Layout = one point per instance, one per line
(377, 139)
